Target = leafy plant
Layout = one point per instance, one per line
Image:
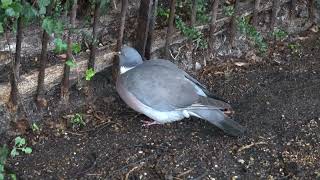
(77, 121)
(20, 145)
(228, 11)
(191, 33)
(295, 49)
(279, 34)
(89, 74)
(61, 47)
(202, 14)
(249, 30)
(35, 127)
(71, 63)
(4, 152)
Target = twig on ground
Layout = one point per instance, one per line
(127, 175)
(250, 145)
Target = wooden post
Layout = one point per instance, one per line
(151, 29)
(65, 78)
(143, 26)
(170, 28)
(14, 78)
(123, 14)
(214, 11)
(233, 28)
(40, 99)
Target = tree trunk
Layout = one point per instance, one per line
(124, 8)
(143, 27)
(193, 13)
(214, 12)
(40, 98)
(256, 12)
(93, 45)
(233, 28)
(274, 14)
(151, 29)
(15, 74)
(170, 28)
(65, 79)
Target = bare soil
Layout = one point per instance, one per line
(277, 99)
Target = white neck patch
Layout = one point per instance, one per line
(124, 69)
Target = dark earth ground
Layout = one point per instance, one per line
(277, 100)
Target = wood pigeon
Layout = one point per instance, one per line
(165, 93)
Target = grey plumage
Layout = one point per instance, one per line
(165, 93)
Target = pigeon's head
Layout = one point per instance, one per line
(128, 59)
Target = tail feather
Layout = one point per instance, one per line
(217, 118)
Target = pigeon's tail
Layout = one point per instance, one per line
(212, 111)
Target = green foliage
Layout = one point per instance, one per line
(76, 48)
(51, 25)
(71, 63)
(228, 11)
(20, 144)
(35, 128)
(60, 46)
(252, 33)
(202, 15)
(89, 74)
(77, 121)
(192, 33)
(295, 49)
(279, 34)
(4, 152)
(163, 12)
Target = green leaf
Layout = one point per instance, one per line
(13, 176)
(1, 176)
(71, 63)
(89, 74)
(5, 3)
(48, 25)
(4, 151)
(76, 48)
(60, 46)
(17, 7)
(10, 12)
(20, 141)
(27, 150)
(29, 12)
(42, 5)
(14, 152)
(58, 27)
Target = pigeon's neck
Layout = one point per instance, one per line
(124, 69)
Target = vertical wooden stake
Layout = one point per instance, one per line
(214, 12)
(233, 28)
(193, 13)
(170, 28)
(274, 14)
(65, 78)
(115, 68)
(143, 25)
(151, 29)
